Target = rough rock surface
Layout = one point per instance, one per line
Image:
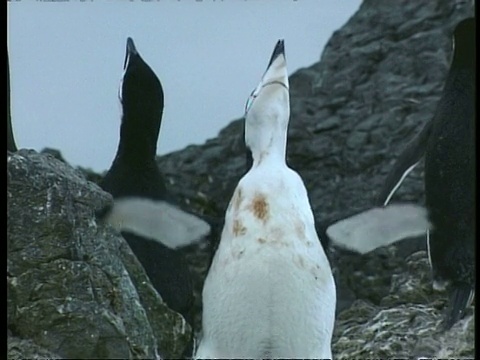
(74, 288)
(377, 83)
(406, 323)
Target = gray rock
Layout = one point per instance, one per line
(19, 349)
(407, 323)
(74, 288)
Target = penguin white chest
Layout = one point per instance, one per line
(270, 291)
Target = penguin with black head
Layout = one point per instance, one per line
(447, 143)
(450, 178)
(150, 222)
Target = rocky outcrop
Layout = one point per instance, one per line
(74, 288)
(406, 323)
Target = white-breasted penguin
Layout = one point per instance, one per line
(448, 144)
(269, 292)
(151, 224)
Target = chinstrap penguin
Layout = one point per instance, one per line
(269, 292)
(447, 143)
(450, 178)
(142, 211)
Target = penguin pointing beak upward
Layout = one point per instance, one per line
(275, 74)
(267, 111)
(131, 51)
(269, 292)
(279, 50)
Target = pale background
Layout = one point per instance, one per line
(66, 61)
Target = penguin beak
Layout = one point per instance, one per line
(276, 73)
(131, 50)
(279, 50)
(277, 67)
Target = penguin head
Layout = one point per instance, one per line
(141, 94)
(269, 105)
(464, 43)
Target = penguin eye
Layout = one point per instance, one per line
(250, 100)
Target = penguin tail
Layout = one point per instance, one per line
(461, 297)
(379, 226)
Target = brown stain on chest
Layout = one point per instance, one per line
(317, 270)
(237, 199)
(299, 229)
(299, 261)
(261, 240)
(272, 242)
(259, 207)
(238, 229)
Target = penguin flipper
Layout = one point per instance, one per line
(379, 226)
(405, 163)
(157, 220)
(461, 297)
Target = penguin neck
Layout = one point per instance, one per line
(138, 143)
(464, 50)
(461, 76)
(464, 59)
(268, 144)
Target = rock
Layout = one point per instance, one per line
(19, 349)
(74, 288)
(407, 324)
(53, 152)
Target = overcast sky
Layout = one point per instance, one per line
(66, 61)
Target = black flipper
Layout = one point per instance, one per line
(406, 162)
